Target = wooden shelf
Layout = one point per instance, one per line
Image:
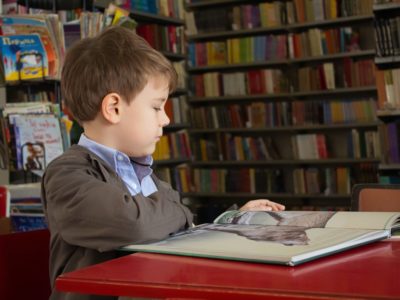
(385, 7)
(248, 98)
(179, 92)
(337, 21)
(205, 4)
(173, 56)
(147, 17)
(335, 92)
(387, 60)
(284, 162)
(284, 96)
(388, 113)
(352, 54)
(53, 5)
(237, 33)
(287, 62)
(389, 167)
(278, 129)
(30, 82)
(175, 127)
(258, 64)
(278, 29)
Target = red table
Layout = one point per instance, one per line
(368, 272)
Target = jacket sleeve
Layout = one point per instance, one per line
(94, 210)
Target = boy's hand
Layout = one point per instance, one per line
(262, 204)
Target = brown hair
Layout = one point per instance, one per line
(116, 61)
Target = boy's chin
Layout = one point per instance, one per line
(146, 152)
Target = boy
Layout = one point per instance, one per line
(101, 194)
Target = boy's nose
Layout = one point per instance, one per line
(165, 120)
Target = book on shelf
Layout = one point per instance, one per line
(28, 222)
(25, 209)
(275, 14)
(176, 109)
(23, 57)
(173, 146)
(49, 30)
(287, 237)
(163, 37)
(38, 140)
(91, 24)
(11, 7)
(387, 36)
(27, 214)
(72, 33)
(113, 15)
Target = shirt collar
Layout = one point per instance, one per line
(141, 165)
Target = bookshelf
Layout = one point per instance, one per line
(40, 95)
(37, 104)
(163, 28)
(387, 60)
(287, 109)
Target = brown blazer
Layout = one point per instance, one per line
(90, 213)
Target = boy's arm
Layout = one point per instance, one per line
(94, 209)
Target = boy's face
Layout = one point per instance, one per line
(142, 121)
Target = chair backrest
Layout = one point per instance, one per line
(375, 197)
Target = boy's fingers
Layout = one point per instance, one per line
(275, 206)
(263, 205)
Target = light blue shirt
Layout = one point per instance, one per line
(135, 176)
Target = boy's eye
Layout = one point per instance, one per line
(157, 108)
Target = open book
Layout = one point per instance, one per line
(286, 237)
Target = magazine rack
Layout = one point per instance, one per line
(375, 197)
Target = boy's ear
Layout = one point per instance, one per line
(111, 107)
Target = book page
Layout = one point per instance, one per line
(277, 218)
(364, 220)
(312, 219)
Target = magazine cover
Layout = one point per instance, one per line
(27, 24)
(23, 57)
(38, 140)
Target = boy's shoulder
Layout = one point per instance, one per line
(75, 155)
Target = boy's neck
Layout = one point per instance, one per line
(99, 134)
